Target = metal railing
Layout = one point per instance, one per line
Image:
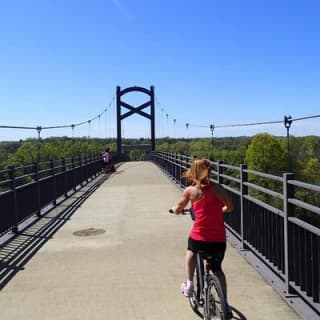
(270, 220)
(30, 189)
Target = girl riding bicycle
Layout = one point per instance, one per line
(209, 201)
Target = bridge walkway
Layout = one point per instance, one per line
(125, 262)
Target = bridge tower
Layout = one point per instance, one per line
(133, 110)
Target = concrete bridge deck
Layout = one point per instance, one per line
(133, 270)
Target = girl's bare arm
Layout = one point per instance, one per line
(183, 202)
(224, 197)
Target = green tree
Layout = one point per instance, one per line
(27, 153)
(181, 147)
(165, 146)
(266, 154)
(112, 146)
(310, 147)
(311, 171)
(137, 154)
(201, 147)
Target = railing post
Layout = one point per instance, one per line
(166, 156)
(178, 171)
(220, 172)
(97, 163)
(14, 192)
(180, 168)
(288, 211)
(73, 173)
(190, 160)
(35, 169)
(94, 164)
(64, 169)
(91, 168)
(174, 166)
(183, 164)
(177, 167)
(243, 192)
(81, 170)
(86, 166)
(54, 191)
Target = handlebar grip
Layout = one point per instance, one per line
(184, 211)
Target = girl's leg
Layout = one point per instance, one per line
(222, 278)
(191, 262)
(187, 286)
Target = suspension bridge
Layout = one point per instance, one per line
(105, 246)
(79, 244)
(111, 250)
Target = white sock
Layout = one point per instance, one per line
(189, 283)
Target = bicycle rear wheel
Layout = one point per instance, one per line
(215, 303)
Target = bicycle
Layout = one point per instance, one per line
(208, 294)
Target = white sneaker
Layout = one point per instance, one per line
(186, 290)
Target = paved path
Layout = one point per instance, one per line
(131, 271)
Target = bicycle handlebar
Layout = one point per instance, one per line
(185, 211)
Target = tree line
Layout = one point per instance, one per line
(263, 153)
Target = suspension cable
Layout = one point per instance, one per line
(308, 117)
(252, 123)
(72, 126)
(189, 124)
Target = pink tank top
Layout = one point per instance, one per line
(209, 223)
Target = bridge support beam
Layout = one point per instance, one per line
(133, 110)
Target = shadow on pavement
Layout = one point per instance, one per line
(237, 315)
(19, 249)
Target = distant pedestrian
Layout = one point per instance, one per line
(106, 157)
(107, 161)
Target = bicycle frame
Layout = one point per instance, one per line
(208, 292)
(203, 275)
(200, 278)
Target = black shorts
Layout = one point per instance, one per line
(216, 250)
(105, 163)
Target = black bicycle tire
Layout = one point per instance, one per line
(215, 283)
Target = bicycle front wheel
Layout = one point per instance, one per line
(215, 303)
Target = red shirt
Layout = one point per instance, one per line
(209, 223)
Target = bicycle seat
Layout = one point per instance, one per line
(205, 255)
(211, 260)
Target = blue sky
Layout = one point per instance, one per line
(211, 62)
